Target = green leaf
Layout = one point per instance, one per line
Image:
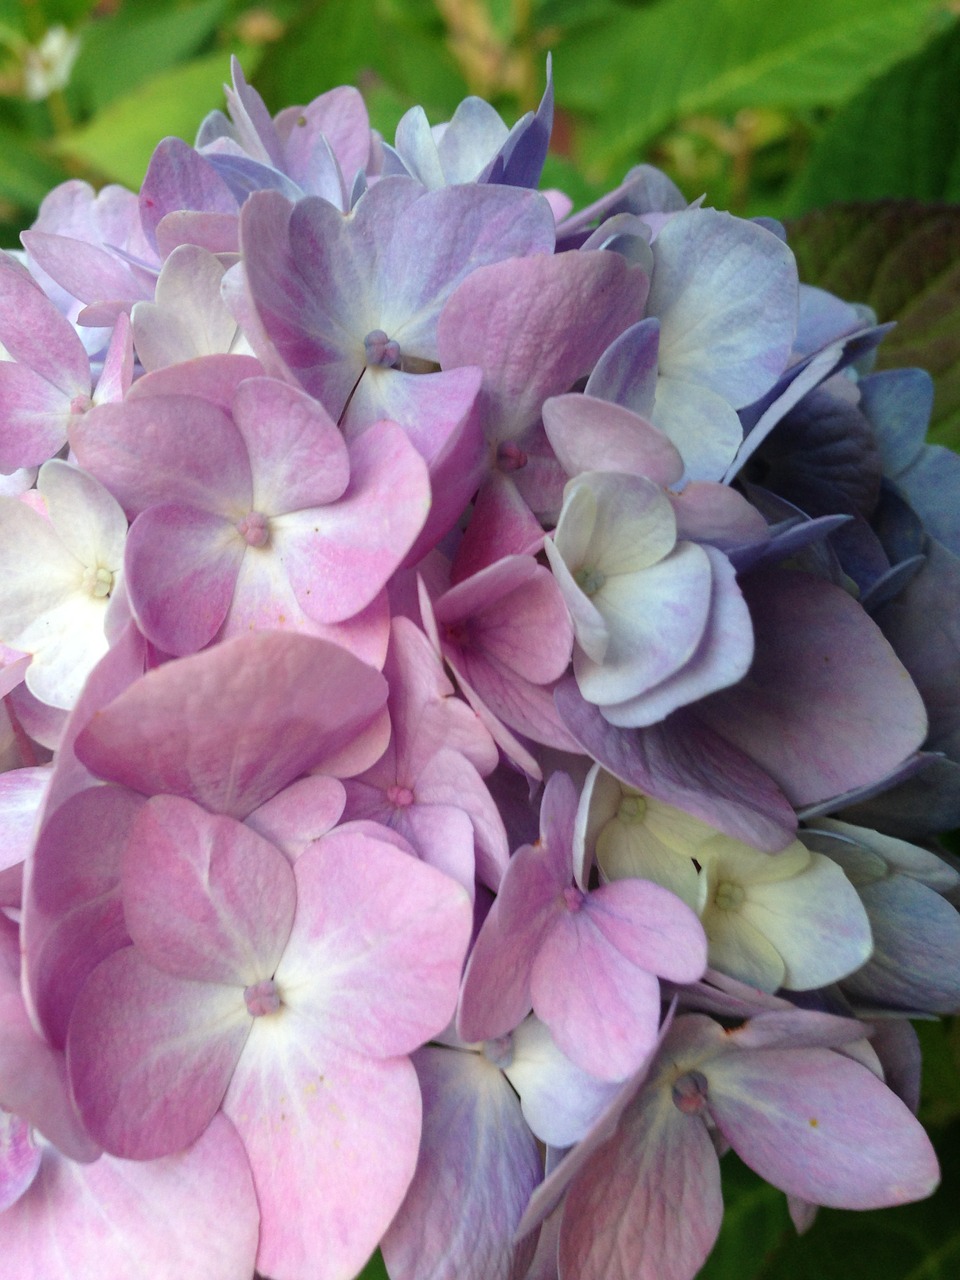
(641, 70)
(120, 140)
(25, 175)
(374, 1270)
(370, 43)
(902, 258)
(135, 47)
(899, 137)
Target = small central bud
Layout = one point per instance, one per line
(80, 404)
(379, 349)
(254, 529)
(573, 898)
(262, 998)
(510, 457)
(457, 634)
(632, 809)
(589, 580)
(499, 1051)
(402, 797)
(690, 1093)
(729, 896)
(98, 582)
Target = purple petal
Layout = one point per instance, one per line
(820, 1126)
(513, 319)
(458, 1217)
(828, 706)
(687, 765)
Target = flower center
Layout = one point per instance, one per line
(80, 404)
(589, 580)
(573, 898)
(729, 896)
(379, 349)
(510, 457)
(401, 797)
(499, 1051)
(98, 582)
(690, 1093)
(262, 998)
(633, 808)
(254, 529)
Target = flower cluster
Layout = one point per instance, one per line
(434, 625)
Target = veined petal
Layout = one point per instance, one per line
(150, 1055)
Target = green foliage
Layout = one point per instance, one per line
(137, 47)
(899, 137)
(374, 1270)
(902, 258)
(119, 140)
(394, 55)
(642, 68)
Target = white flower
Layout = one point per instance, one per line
(58, 574)
(47, 66)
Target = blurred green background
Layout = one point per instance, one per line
(801, 109)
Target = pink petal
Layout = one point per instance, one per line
(588, 434)
(181, 569)
(297, 453)
(377, 944)
(332, 1142)
(204, 897)
(210, 728)
(647, 1205)
(602, 1010)
(171, 448)
(190, 1213)
(300, 814)
(150, 1055)
(340, 556)
(72, 914)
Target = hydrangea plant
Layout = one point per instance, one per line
(466, 681)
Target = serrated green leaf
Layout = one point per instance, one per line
(647, 67)
(902, 258)
(367, 43)
(119, 142)
(899, 137)
(118, 54)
